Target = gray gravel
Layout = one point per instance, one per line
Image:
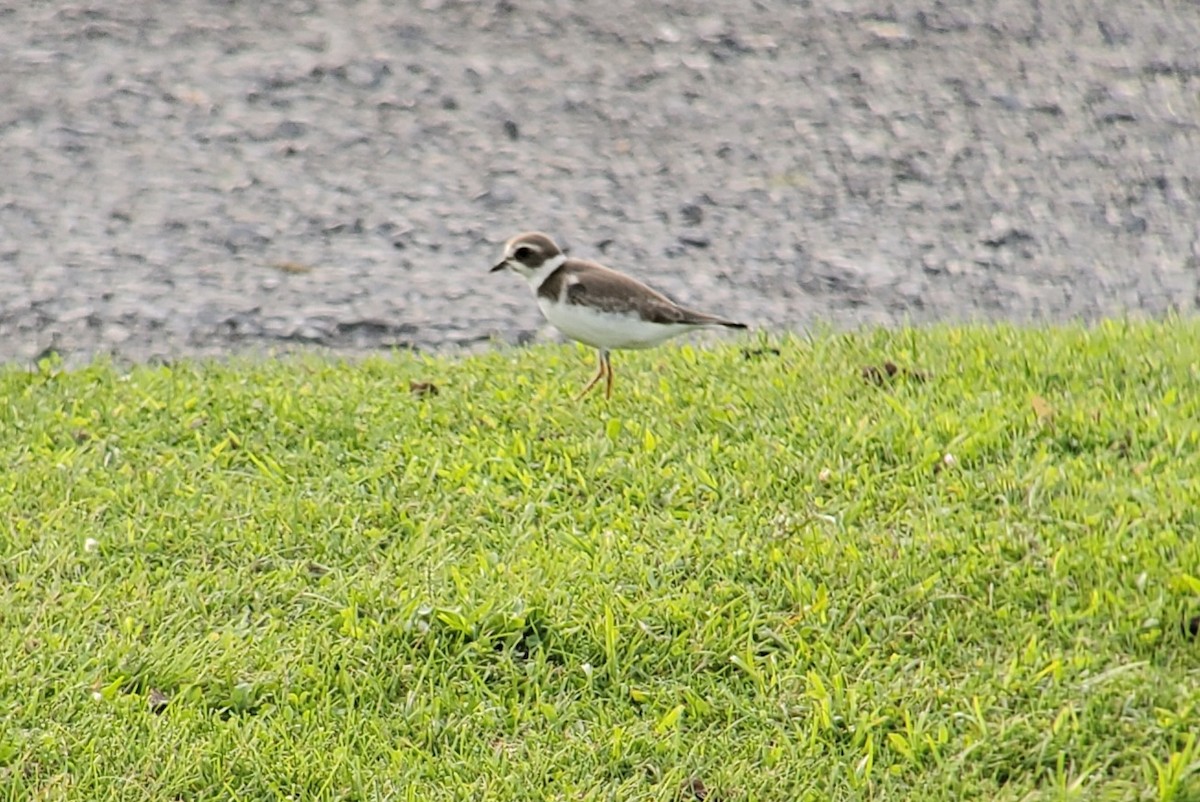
(204, 177)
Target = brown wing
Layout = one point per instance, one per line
(597, 285)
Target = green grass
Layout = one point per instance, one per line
(757, 571)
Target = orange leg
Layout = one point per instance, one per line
(605, 370)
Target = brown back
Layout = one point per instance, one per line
(610, 291)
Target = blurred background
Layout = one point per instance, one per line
(206, 177)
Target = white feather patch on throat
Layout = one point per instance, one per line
(537, 277)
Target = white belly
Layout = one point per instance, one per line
(607, 330)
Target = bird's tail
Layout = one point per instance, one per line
(692, 318)
(711, 320)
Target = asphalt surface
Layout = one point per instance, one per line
(209, 177)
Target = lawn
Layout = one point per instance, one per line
(773, 569)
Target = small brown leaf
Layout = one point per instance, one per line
(873, 374)
(880, 374)
(423, 388)
(1042, 408)
(157, 700)
(693, 788)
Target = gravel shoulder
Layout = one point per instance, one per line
(224, 177)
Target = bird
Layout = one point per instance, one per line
(596, 305)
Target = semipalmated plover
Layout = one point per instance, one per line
(596, 305)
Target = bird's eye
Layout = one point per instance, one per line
(523, 253)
